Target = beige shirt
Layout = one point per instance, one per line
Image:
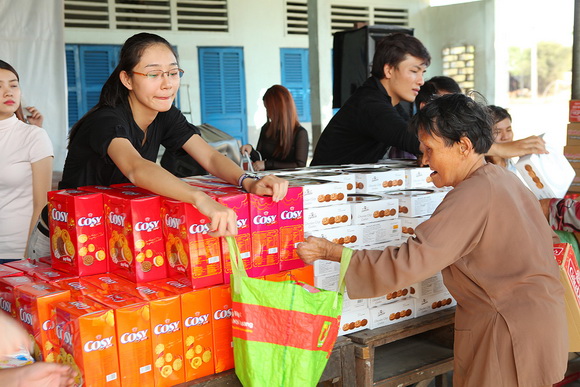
(494, 247)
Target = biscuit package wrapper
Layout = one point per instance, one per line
(548, 175)
(290, 326)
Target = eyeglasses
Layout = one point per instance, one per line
(173, 74)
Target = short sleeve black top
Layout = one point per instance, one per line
(87, 161)
(296, 157)
(364, 128)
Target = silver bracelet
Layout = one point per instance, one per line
(244, 177)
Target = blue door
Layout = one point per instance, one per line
(223, 90)
(296, 78)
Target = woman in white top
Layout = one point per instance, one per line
(26, 156)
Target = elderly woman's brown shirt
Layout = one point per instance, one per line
(494, 247)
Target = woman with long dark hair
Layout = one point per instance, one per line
(118, 140)
(283, 142)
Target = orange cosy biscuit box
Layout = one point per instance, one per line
(191, 251)
(239, 202)
(196, 314)
(264, 227)
(221, 306)
(166, 333)
(135, 239)
(77, 232)
(88, 342)
(291, 210)
(34, 304)
(133, 336)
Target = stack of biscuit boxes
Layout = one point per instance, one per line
(382, 206)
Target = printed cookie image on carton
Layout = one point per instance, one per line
(77, 232)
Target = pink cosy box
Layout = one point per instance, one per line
(291, 210)
(239, 202)
(135, 238)
(77, 232)
(264, 226)
(191, 251)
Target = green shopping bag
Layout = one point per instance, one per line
(283, 332)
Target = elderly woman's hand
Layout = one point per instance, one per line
(269, 185)
(315, 248)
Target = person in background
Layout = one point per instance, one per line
(437, 85)
(502, 133)
(26, 157)
(283, 142)
(368, 123)
(489, 239)
(118, 140)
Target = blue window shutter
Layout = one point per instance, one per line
(88, 67)
(223, 90)
(73, 83)
(97, 63)
(296, 78)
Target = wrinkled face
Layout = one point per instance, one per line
(502, 131)
(405, 80)
(444, 161)
(9, 94)
(148, 94)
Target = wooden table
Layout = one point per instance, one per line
(407, 352)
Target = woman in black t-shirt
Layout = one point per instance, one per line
(118, 140)
(283, 143)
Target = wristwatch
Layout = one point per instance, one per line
(244, 177)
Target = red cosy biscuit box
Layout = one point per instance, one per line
(264, 227)
(27, 266)
(7, 271)
(239, 202)
(7, 285)
(191, 251)
(197, 318)
(77, 232)
(35, 310)
(570, 279)
(135, 238)
(291, 210)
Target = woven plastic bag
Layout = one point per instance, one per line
(283, 332)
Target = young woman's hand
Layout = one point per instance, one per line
(223, 219)
(259, 165)
(246, 149)
(525, 146)
(14, 338)
(36, 118)
(269, 185)
(39, 374)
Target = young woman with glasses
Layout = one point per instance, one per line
(118, 140)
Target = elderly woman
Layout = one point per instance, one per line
(494, 247)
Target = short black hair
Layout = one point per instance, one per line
(498, 113)
(453, 116)
(392, 50)
(434, 86)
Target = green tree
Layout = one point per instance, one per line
(554, 60)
